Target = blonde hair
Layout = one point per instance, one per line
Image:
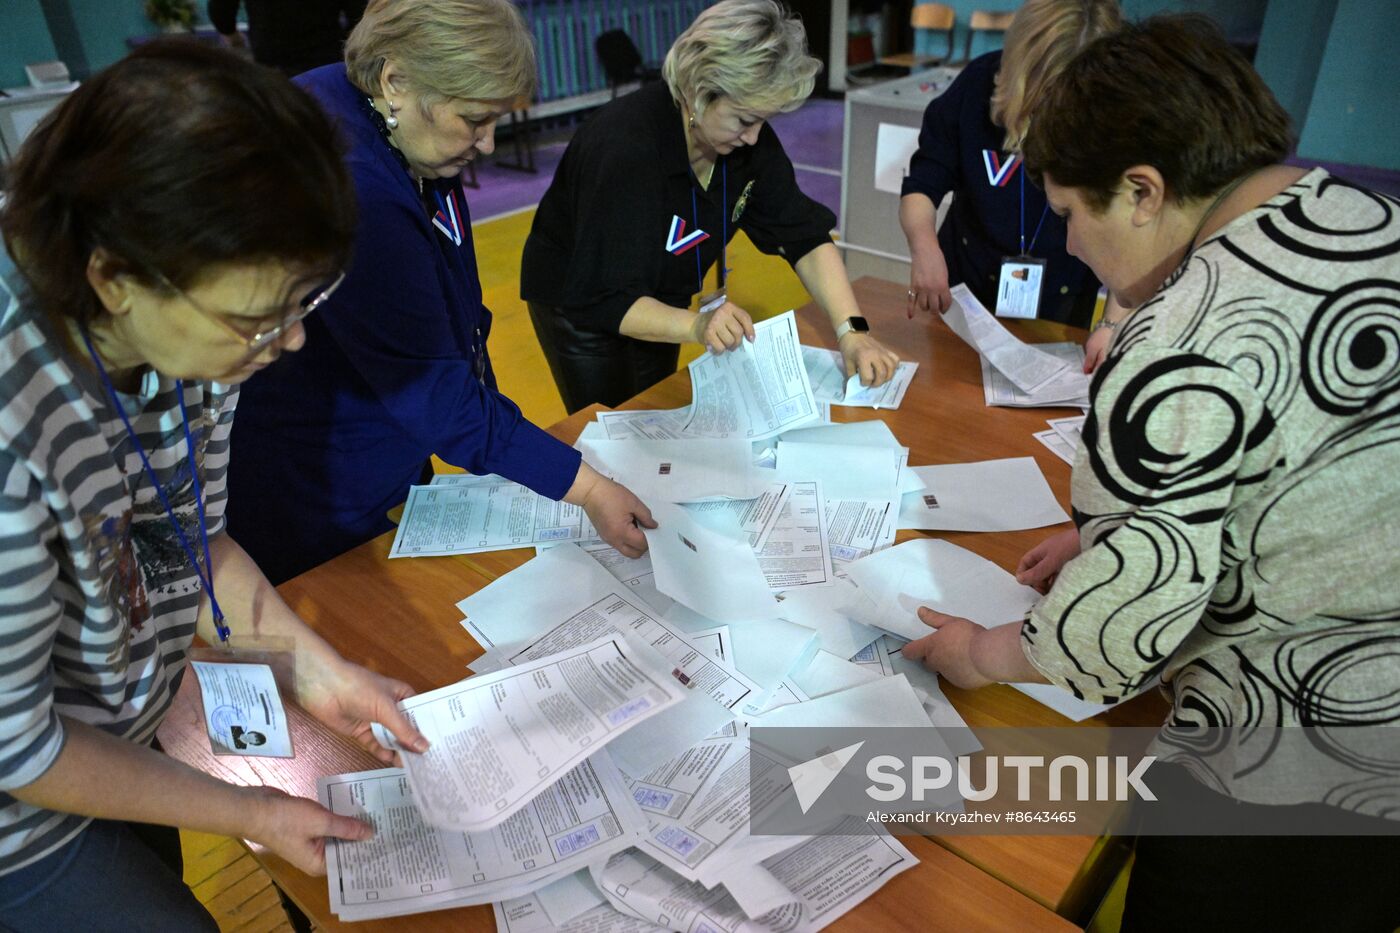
(749, 51)
(471, 49)
(1043, 38)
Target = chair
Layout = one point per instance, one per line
(984, 22)
(933, 16)
(621, 61)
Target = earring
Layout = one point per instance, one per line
(391, 121)
(692, 121)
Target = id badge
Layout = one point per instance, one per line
(239, 686)
(1018, 291)
(712, 301)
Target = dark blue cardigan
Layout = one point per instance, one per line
(327, 439)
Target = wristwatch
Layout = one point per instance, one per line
(857, 325)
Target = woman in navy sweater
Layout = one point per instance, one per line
(970, 145)
(395, 368)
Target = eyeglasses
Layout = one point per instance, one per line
(262, 336)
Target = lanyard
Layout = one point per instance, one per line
(206, 575)
(723, 229)
(1023, 215)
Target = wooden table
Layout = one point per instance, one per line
(400, 618)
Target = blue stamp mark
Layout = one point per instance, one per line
(652, 798)
(577, 840)
(845, 552)
(629, 709)
(224, 718)
(555, 534)
(678, 840)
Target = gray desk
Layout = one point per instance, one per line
(870, 234)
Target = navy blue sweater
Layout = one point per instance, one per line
(960, 151)
(330, 438)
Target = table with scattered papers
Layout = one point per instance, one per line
(400, 617)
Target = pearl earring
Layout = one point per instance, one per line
(391, 121)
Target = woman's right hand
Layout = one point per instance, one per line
(723, 328)
(296, 828)
(1043, 563)
(928, 281)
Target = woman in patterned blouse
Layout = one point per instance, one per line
(1237, 524)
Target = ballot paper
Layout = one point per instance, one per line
(653, 424)
(860, 527)
(826, 370)
(885, 657)
(1026, 366)
(756, 516)
(564, 598)
(871, 433)
(499, 739)
(483, 513)
(845, 471)
(410, 866)
(1068, 428)
(713, 573)
(1068, 389)
(894, 583)
(826, 877)
(715, 642)
(755, 391)
(697, 806)
(1057, 445)
(679, 470)
(570, 896)
(527, 915)
(1062, 701)
(636, 573)
(988, 495)
(817, 609)
(797, 553)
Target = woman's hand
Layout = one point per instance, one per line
(928, 281)
(868, 357)
(296, 828)
(347, 698)
(948, 650)
(1096, 347)
(1042, 564)
(723, 328)
(613, 509)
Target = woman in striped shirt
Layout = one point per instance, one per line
(165, 230)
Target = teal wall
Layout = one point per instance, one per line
(1290, 51)
(24, 38)
(1354, 116)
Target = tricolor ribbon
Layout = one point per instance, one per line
(678, 241)
(997, 173)
(448, 218)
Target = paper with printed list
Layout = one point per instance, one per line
(499, 739)
(410, 866)
(463, 514)
(1069, 388)
(754, 391)
(1027, 367)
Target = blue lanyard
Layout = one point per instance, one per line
(723, 229)
(206, 575)
(1023, 215)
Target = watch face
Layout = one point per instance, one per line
(859, 324)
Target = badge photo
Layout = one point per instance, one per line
(1018, 290)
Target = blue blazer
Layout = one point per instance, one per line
(394, 369)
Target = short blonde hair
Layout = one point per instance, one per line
(1044, 36)
(472, 49)
(749, 51)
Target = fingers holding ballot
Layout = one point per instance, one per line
(869, 358)
(948, 649)
(1040, 565)
(724, 328)
(617, 514)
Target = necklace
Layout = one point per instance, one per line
(1201, 225)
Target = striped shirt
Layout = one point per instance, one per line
(97, 597)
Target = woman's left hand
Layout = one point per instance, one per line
(871, 359)
(948, 650)
(348, 698)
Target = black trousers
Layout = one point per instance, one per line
(592, 367)
(1338, 883)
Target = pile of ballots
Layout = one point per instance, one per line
(595, 771)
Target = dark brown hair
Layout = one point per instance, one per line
(178, 157)
(1167, 92)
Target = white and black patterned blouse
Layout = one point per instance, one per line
(1238, 487)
